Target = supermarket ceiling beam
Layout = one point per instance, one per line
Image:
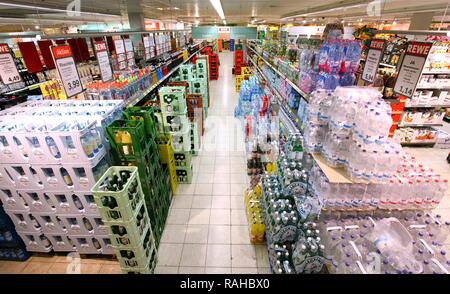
(107, 34)
(341, 5)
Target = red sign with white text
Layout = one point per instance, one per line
(418, 49)
(4, 48)
(100, 46)
(377, 44)
(61, 51)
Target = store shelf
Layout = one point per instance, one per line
(292, 84)
(418, 143)
(436, 73)
(31, 87)
(427, 106)
(419, 125)
(388, 65)
(334, 175)
(133, 101)
(432, 88)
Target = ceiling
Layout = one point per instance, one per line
(20, 13)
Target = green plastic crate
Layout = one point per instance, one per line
(184, 175)
(127, 151)
(119, 205)
(172, 99)
(131, 233)
(175, 122)
(136, 258)
(145, 114)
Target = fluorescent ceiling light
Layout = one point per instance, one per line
(53, 9)
(224, 22)
(218, 7)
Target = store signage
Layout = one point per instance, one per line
(8, 70)
(373, 60)
(128, 45)
(147, 50)
(411, 68)
(67, 70)
(120, 48)
(103, 61)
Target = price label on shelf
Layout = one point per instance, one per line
(146, 41)
(67, 70)
(103, 61)
(8, 70)
(120, 48)
(411, 68)
(373, 60)
(128, 45)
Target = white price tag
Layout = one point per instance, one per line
(128, 45)
(373, 60)
(103, 61)
(120, 48)
(411, 68)
(67, 70)
(8, 70)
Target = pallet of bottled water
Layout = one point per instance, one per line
(408, 242)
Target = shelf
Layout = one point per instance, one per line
(419, 125)
(334, 175)
(432, 88)
(427, 106)
(388, 65)
(436, 73)
(31, 87)
(418, 143)
(292, 84)
(133, 101)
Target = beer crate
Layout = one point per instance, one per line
(139, 271)
(194, 101)
(93, 245)
(175, 122)
(12, 200)
(184, 175)
(130, 234)
(61, 243)
(68, 202)
(145, 114)
(172, 99)
(127, 139)
(165, 148)
(195, 138)
(120, 205)
(81, 225)
(20, 176)
(183, 159)
(197, 86)
(202, 67)
(36, 242)
(181, 140)
(24, 221)
(180, 83)
(133, 259)
(172, 176)
(187, 72)
(50, 223)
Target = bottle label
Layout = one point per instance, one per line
(310, 265)
(285, 234)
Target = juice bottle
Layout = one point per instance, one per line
(126, 141)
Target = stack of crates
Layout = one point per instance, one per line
(133, 143)
(120, 198)
(11, 245)
(213, 66)
(177, 124)
(238, 62)
(167, 158)
(245, 74)
(195, 110)
(187, 72)
(45, 181)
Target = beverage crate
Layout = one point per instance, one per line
(198, 86)
(93, 244)
(172, 176)
(20, 176)
(119, 205)
(158, 119)
(144, 114)
(130, 234)
(12, 200)
(127, 139)
(184, 175)
(175, 122)
(183, 159)
(181, 140)
(58, 143)
(139, 271)
(24, 222)
(50, 223)
(195, 137)
(194, 101)
(68, 202)
(81, 225)
(61, 243)
(180, 83)
(14, 254)
(36, 242)
(135, 258)
(165, 148)
(202, 67)
(187, 72)
(37, 200)
(172, 99)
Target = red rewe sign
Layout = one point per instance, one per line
(420, 49)
(377, 44)
(61, 51)
(100, 46)
(4, 48)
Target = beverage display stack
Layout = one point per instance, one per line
(177, 124)
(11, 245)
(121, 202)
(52, 153)
(133, 143)
(213, 66)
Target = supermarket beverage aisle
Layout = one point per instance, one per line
(207, 230)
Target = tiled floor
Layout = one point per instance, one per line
(207, 230)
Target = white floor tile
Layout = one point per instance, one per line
(244, 270)
(203, 189)
(193, 255)
(221, 178)
(220, 202)
(238, 168)
(222, 168)
(191, 270)
(169, 254)
(185, 189)
(221, 189)
(240, 235)
(218, 270)
(199, 216)
(182, 201)
(174, 234)
(201, 202)
(243, 256)
(264, 271)
(238, 189)
(220, 217)
(196, 234)
(207, 160)
(237, 202)
(205, 178)
(262, 256)
(206, 169)
(166, 270)
(218, 255)
(219, 234)
(178, 216)
(238, 217)
(238, 178)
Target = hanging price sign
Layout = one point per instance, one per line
(411, 69)
(103, 61)
(146, 41)
(67, 70)
(8, 70)
(373, 60)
